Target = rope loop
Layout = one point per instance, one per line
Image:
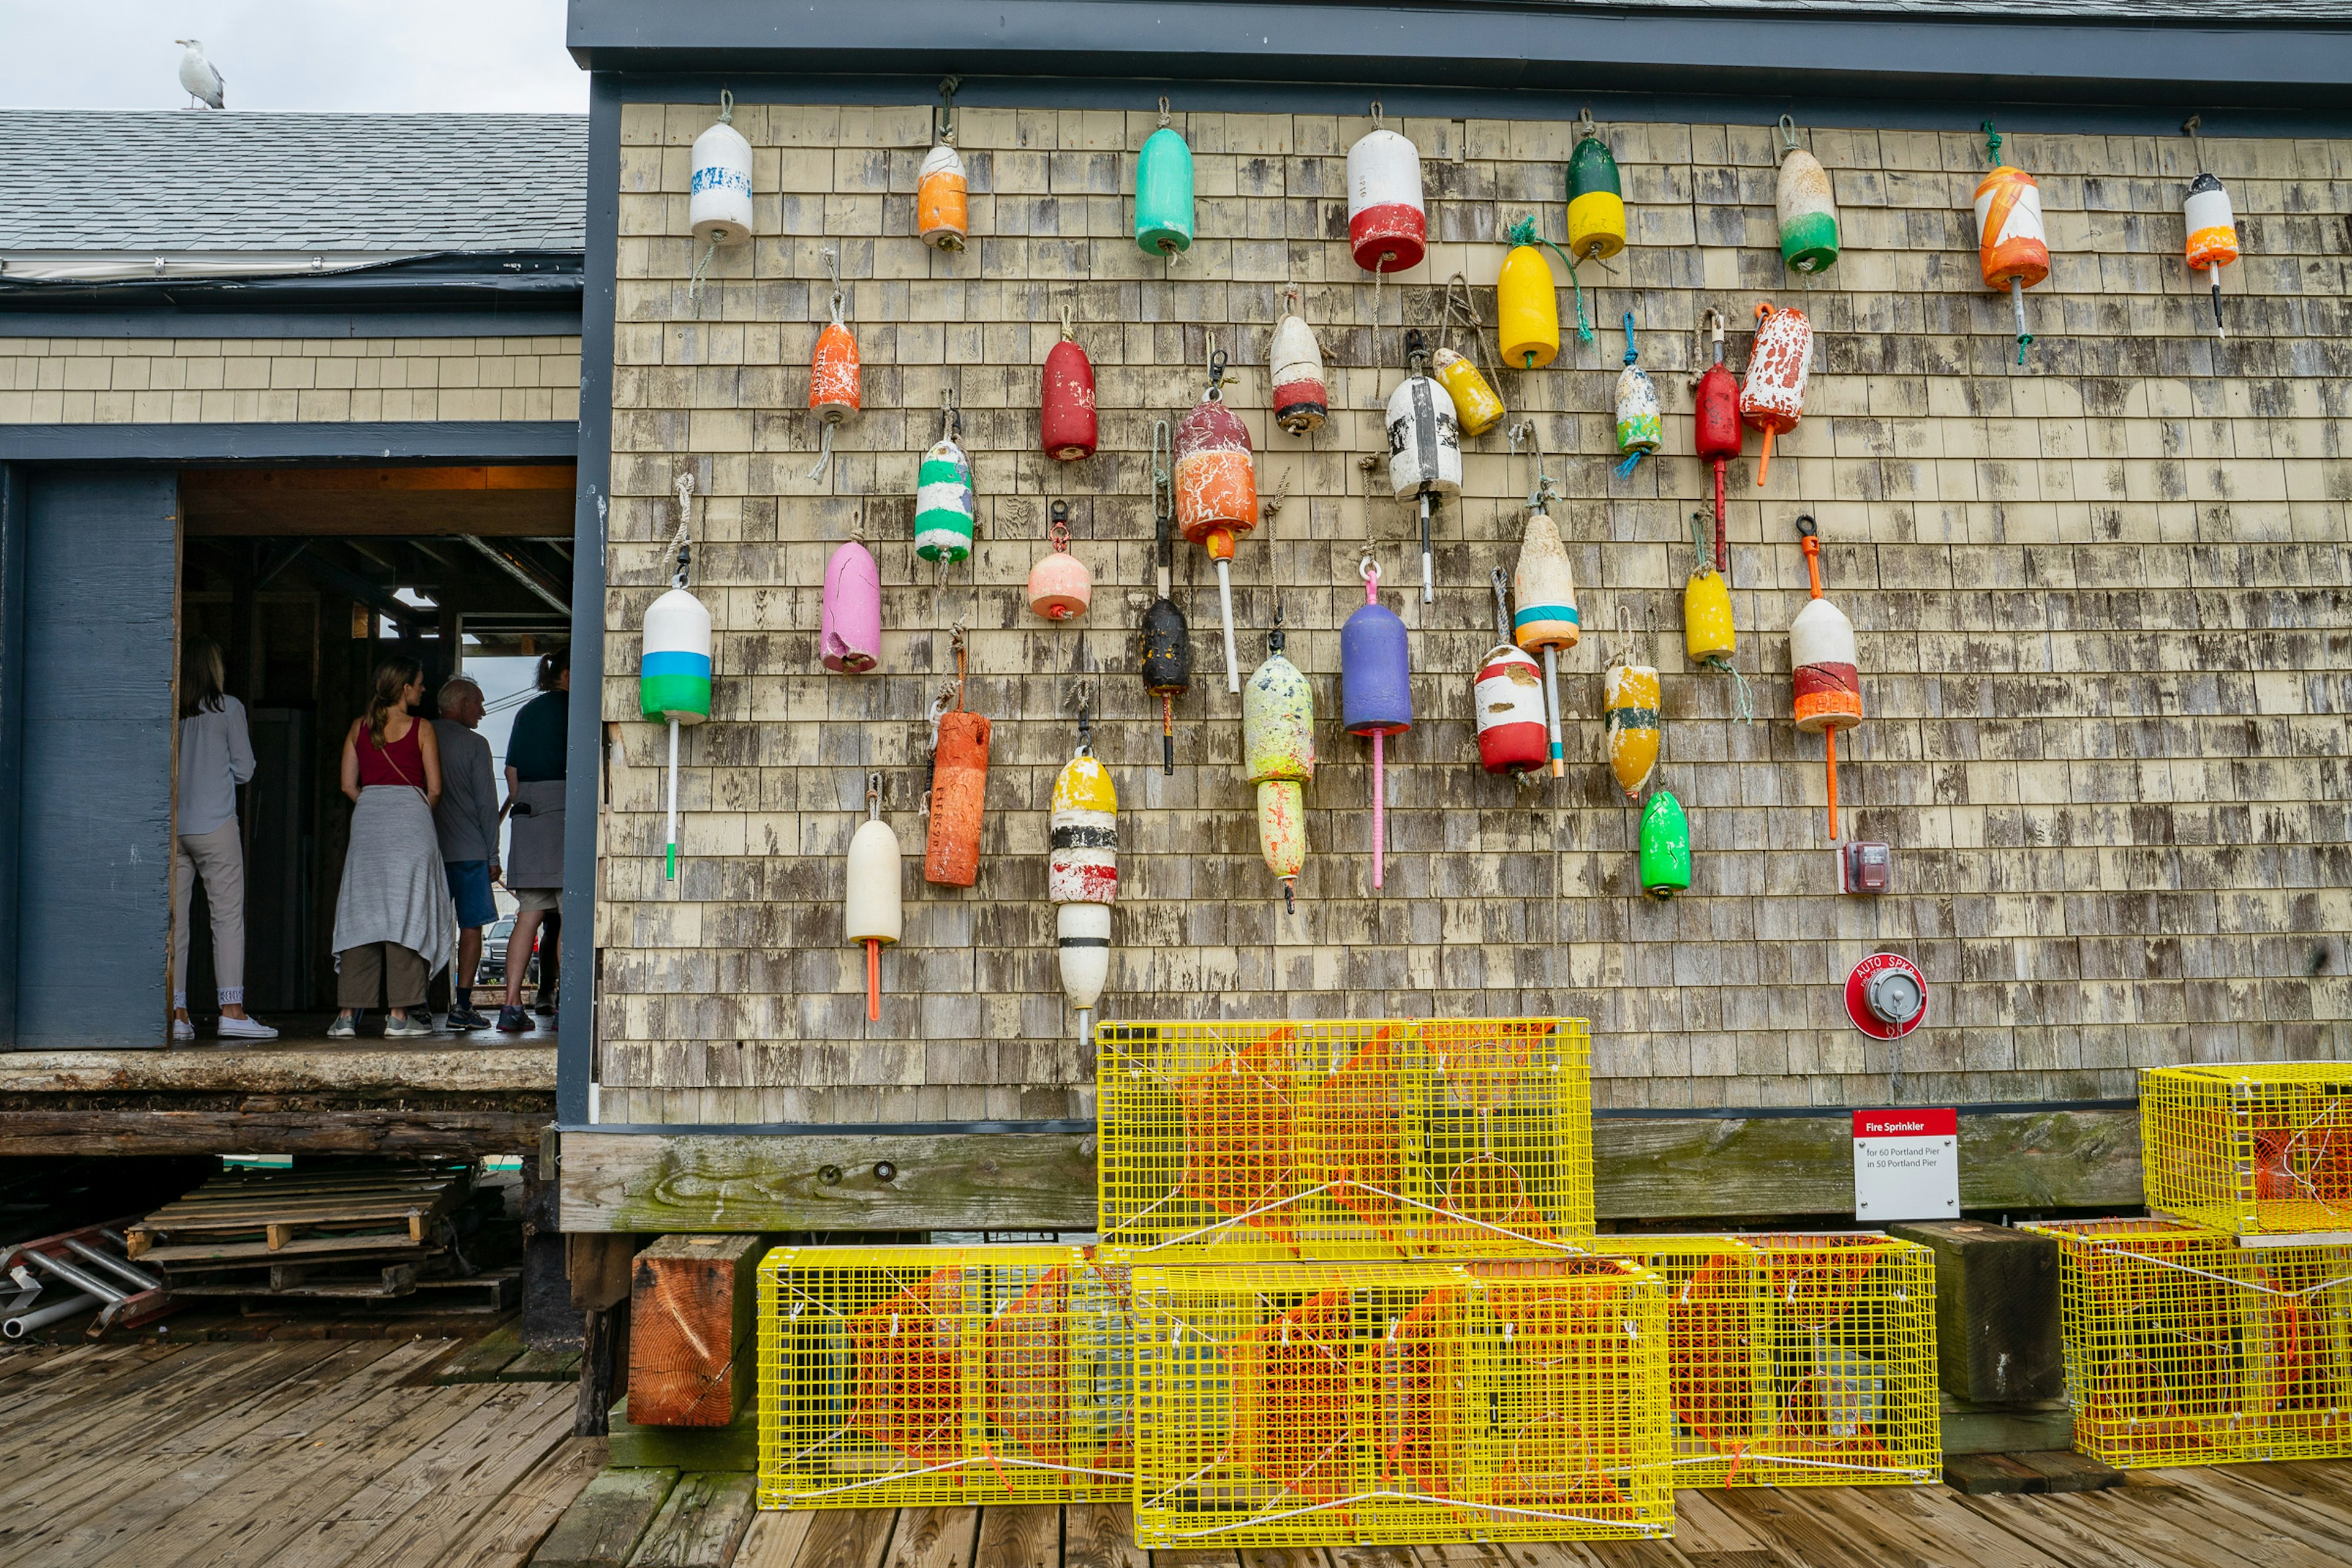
(1993, 144)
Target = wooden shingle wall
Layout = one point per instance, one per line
(2103, 607)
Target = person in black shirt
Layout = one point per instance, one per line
(535, 764)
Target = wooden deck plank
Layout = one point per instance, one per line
(461, 1501)
(530, 1507)
(1703, 1525)
(601, 1526)
(701, 1523)
(1099, 1536)
(2233, 1498)
(2063, 1532)
(71, 1374)
(2290, 1486)
(847, 1538)
(2142, 1519)
(774, 1541)
(1196, 1557)
(1921, 1527)
(123, 1501)
(1026, 1535)
(934, 1538)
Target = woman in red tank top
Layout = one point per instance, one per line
(394, 922)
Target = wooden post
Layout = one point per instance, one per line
(598, 1267)
(690, 1329)
(1997, 1326)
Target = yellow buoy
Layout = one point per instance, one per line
(1527, 303)
(1708, 634)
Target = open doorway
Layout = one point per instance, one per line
(306, 579)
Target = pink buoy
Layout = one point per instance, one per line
(849, 630)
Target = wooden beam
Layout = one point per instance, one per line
(530, 501)
(282, 1068)
(1695, 1168)
(372, 1131)
(691, 1350)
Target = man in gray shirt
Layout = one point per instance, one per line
(468, 818)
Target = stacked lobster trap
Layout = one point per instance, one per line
(2220, 1329)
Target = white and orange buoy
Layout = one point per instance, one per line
(942, 199)
(1302, 401)
(1278, 758)
(2212, 228)
(871, 914)
(1216, 492)
(2012, 249)
(1388, 227)
(1066, 402)
(1060, 586)
(1772, 398)
(834, 376)
(1507, 695)
(1543, 586)
(1825, 664)
(1082, 877)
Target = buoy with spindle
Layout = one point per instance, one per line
(1772, 398)
(718, 192)
(1167, 640)
(1388, 229)
(1715, 424)
(2212, 228)
(871, 914)
(1066, 402)
(1424, 447)
(1821, 653)
(1665, 847)
(673, 665)
(1507, 696)
(1375, 692)
(1060, 585)
(1628, 694)
(1640, 425)
(1805, 206)
(1082, 876)
(833, 373)
(944, 504)
(1163, 192)
(2012, 249)
(1278, 757)
(958, 793)
(942, 205)
(1544, 588)
(1526, 301)
(849, 622)
(1295, 365)
(1216, 492)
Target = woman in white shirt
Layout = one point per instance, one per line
(215, 756)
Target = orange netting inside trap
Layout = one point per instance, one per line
(907, 1392)
(1291, 1409)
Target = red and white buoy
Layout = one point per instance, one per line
(1508, 697)
(1826, 666)
(1772, 398)
(1295, 366)
(1388, 228)
(1082, 877)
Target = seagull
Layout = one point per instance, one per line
(197, 75)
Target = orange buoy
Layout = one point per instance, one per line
(959, 785)
(2012, 248)
(833, 375)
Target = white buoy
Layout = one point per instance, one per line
(871, 914)
(719, 186)
(1424, 447)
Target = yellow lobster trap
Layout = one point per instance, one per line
(907, 1375)
(2263, 1150)
(1797, 1360)
(2183, 1348)
(1445, 1137)
(1310, 1403)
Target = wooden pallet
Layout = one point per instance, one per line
(492, 1290)
(249, 1213)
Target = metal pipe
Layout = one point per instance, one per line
(113, 1265)
(508, 564)
(73, 1276)
(18, 1327)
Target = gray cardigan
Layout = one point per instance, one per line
(467, 815)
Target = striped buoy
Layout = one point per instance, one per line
(1630, 698)
(1163, 192)
(1825, 664)
(1507, 697)
(1772, 398)
(1424, 447)
(673, 663)
(2012, 248)
(1596, 201)
(1640, 425)
(1295, 366)
(2212, 234)
(1082, 877)
(849, 620)
(1544, 588)
(1388, 229)
(1279, 756)
(944, 504)
(1805, 207)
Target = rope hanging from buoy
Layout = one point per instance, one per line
(1524, 232)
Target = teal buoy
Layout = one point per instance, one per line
(1163, 192)
(1665, 847)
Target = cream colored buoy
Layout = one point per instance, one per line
(1543, 589)
(871, 914)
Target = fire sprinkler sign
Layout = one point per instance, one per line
(1906, 1165)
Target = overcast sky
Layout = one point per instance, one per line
(291, 54)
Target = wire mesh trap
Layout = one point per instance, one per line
(912, 1375)
(1797, 1360)
(1448, 1137)
(2262, 1151)
(1307, 1403)
(2183, 1348)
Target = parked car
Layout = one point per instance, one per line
(495, 937)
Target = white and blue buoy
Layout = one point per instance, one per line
(673, 667)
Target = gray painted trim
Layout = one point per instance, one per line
(14, 495)
(560, 322)
(575, 1048)
(434, 440)
(1509, 45)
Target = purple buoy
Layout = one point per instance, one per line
(1375, 693)
(849, 629)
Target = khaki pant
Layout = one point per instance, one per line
(219, 858)
(398, 971)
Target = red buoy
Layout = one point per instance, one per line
(1065, 412)
(1715, 430)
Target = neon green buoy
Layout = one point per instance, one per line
(1163, 192)
(1665, 847)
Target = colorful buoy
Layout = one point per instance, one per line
(1544, 588)
(1825, 663)
(1388, 229)
(1640, 425)
(1715, 427)
(834, 373)
(1527, 302)
(1630, 698)
(1709, 638)
(718, 210)
(1507, 697)
(1082, 877)
(1167, 640)
(673, 667)
(1060, 585)
(1066, 401)
(1665, 858)
(1163, 192)
(956, 804)
(849, 622)
(1216, 491)
(1477, 408)
(1596, 201)
(1805, 206)
(1295, 366)
(1424, 447)
(1772, 398)
(944, 504)
(2213, 232)
(871, 913)
(2012, 249)
(1375, 692)
(943, 206)
(1278, 758)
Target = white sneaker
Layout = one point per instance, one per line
(342, 1028)
(243, 1029)
(413, 1027)
(182, 1030)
